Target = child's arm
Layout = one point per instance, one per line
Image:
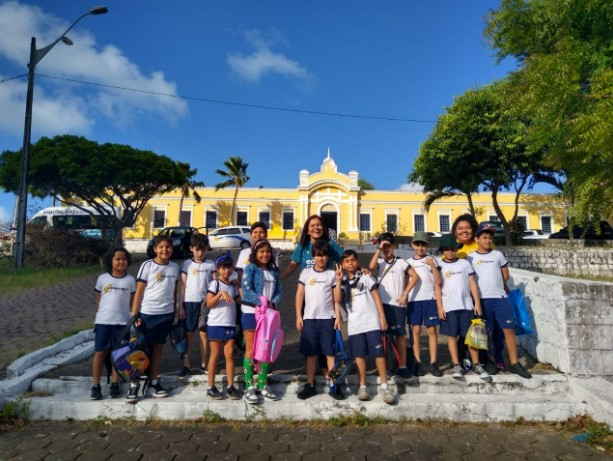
(248, 294)
(299, 301)
(182, 295)
(379, 304)
(289, 270)
(138, 297)
(337, 315)
(98, 296)
(436, 274)
(474, 291)
(373, 265)
(212, 300)
(413, 279)
(505, 278)
(338, 292)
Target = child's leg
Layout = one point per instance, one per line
(228, 350)
(311, 365)
(474, 354)
(511, 340)
(330, 361)
(97, 365)
(381, 365)
(401, 340)
(156, 360)
(452, 344)
(204, 349)
(247, 364)
(190, 341)
(416, 342)
(360, 363)
(433, 344)
(263, 375)
(215, 348)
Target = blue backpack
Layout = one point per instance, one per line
(131, 357)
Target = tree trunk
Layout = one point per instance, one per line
(232, 214)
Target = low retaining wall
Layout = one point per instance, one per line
(573, 322)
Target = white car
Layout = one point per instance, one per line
(230, 237)
(534, 234)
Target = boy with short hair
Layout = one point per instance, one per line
(422, 303)
(492, 272)
(456, 309)
(365, 321)
(321, 317)
(396, 279)
(196, 273)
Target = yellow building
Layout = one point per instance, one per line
(342, 204)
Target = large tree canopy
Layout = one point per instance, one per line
(79, 171)
(565, 49)
(478, 143)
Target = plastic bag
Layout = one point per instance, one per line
(523, 321)
(477, 336)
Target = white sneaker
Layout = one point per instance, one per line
(481, 373)
(363, 393)
(267, 392)
(251, 396)
(388, 396)
(457, 371)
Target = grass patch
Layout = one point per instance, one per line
(13, 414)
(210, 417)
(14, 281)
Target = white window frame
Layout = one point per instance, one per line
(242, 210)
(191, 217)
(546, 215)
(392, 213)
(449, 222)
(216, 218)
(159, 208)
(423, 216)
(369, 214)
(283, 212)
(266, 210)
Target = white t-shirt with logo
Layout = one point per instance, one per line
(115, 292)
(161, 280)
(487, 267)
(224, 313)
(455, 286)
(362, 313)
(318, 287)
(392, 279)
(198, 277)
(424, 288)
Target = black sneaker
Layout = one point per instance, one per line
(214, 393)
(405, 374)
(490, 367)
(435, 371)
(307, 391)
(115, 391)
(132, 396)
(518, 369)
(184, 372)
(417, 369)
(158, 391)
(336, 393)
(233, 393)
(96, 393)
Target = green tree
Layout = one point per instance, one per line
(235, 176)
(114, 179)
(365, 185)
(189, 189)
(478, 143)
(565, 81)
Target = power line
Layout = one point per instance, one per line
(13, 78)
(242, 104)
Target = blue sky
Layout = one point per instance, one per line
(402, 60)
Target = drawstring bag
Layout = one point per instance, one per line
(390, 351)
(342, 362)
(477, 335)
(521, 315)
(178, 339)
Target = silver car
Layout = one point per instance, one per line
(230, 237)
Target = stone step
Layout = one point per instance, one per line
(69, 398)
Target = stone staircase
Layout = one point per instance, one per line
(545, 397)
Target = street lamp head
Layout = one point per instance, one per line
(98, 10)
(66, 41)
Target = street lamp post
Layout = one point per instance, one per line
(22, 198)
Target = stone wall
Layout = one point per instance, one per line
(570, 259)
(573, 322)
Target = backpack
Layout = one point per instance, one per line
(268, 337)
(131, 357)
(342, 362)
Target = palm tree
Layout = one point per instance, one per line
(236, 175)
(188, 187)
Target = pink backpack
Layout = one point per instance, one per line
(268, 337)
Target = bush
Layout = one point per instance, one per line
(52, 247)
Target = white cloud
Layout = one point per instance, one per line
(263, 60)
(5, 218)
(79, 104)
(411, 187)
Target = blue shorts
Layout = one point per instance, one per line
(157, 326)
(369, 344)
(318, 337)
(248, 322)
(107, 336)
(423, 313)
(192, 313)
(457, 322)
(497, 311)
(396, 318)
(220, 333)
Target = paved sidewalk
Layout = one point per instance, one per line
(154, 441)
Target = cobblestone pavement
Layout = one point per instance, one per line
(191, 441)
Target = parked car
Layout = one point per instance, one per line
(606, 232)
(534, 234)
(180, 236)
(434, 234)
(230, 237)
(496, 225)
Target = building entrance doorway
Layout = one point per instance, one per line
(330, 221)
